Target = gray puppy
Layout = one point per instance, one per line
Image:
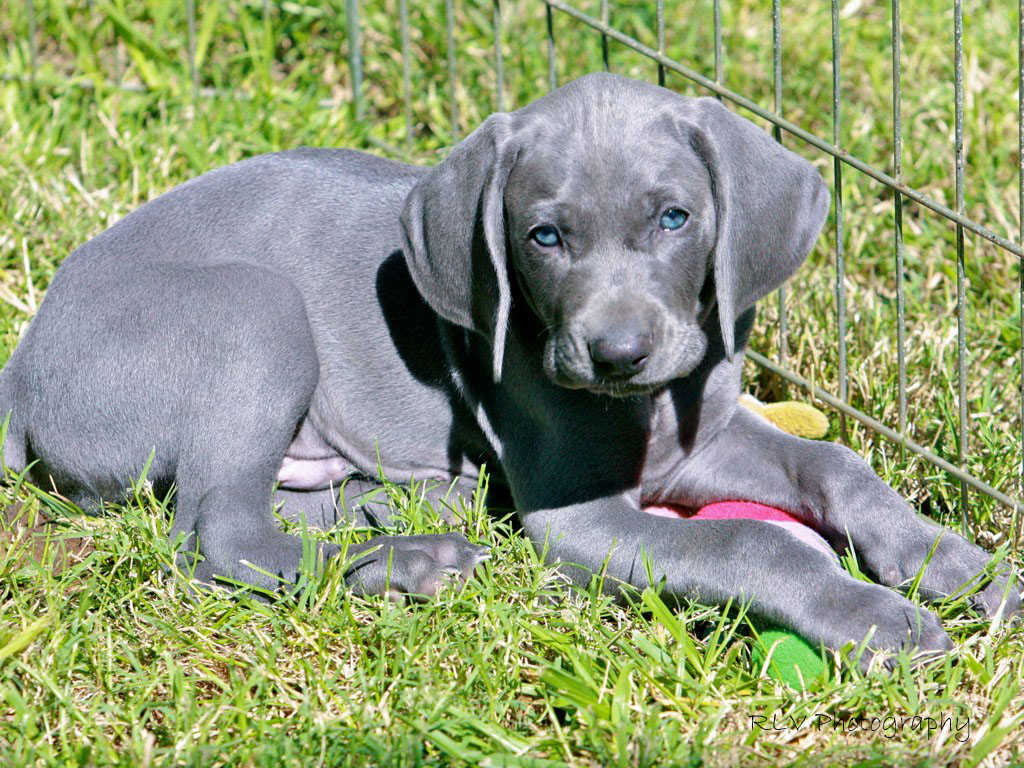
(565, 298)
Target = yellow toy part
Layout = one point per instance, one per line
(800, 419)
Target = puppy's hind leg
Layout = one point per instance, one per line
(13, 447)
(223, 508)
(249, 393)
(256, 383)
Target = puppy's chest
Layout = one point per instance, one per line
(681, 426)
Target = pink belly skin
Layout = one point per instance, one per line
(312, 474)
(663, 510)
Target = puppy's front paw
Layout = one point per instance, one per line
(955, 566)
(414, 565)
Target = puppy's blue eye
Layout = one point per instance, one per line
(545, 235)
(673, 218)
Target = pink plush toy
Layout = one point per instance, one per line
(732, 510)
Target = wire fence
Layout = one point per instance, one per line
(842, 163)
(894, 181)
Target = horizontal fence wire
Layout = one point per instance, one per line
(876, 426)
(895, 182)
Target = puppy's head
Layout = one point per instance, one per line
(626, 214)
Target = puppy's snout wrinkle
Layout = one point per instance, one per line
(621, 353)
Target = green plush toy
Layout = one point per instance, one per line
(794, 661)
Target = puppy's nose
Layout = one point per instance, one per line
(620, 355)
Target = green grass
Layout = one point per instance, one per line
(105, 661)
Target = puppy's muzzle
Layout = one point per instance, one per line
(620, 353)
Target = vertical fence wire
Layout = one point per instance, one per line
(119, 58)
(552, 75)
(837, 173)
(777, 76)
(30, 10)
(961, 311)
(897, 172)
(1020, 213)
(453, 75)
(718, 44)
(661, 40)
(604, 37)
(355, 56)
(777, 62)
(190, 21)
(403, 13)
(268, 30)
(499, 60)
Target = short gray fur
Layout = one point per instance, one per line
(312, 315)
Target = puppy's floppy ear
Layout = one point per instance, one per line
(770, 206)
(453, 224)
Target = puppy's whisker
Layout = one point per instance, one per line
(553, 328)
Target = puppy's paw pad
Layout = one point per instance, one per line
(473, 557)
(454, 550)
(421, 565)
(436, 579)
